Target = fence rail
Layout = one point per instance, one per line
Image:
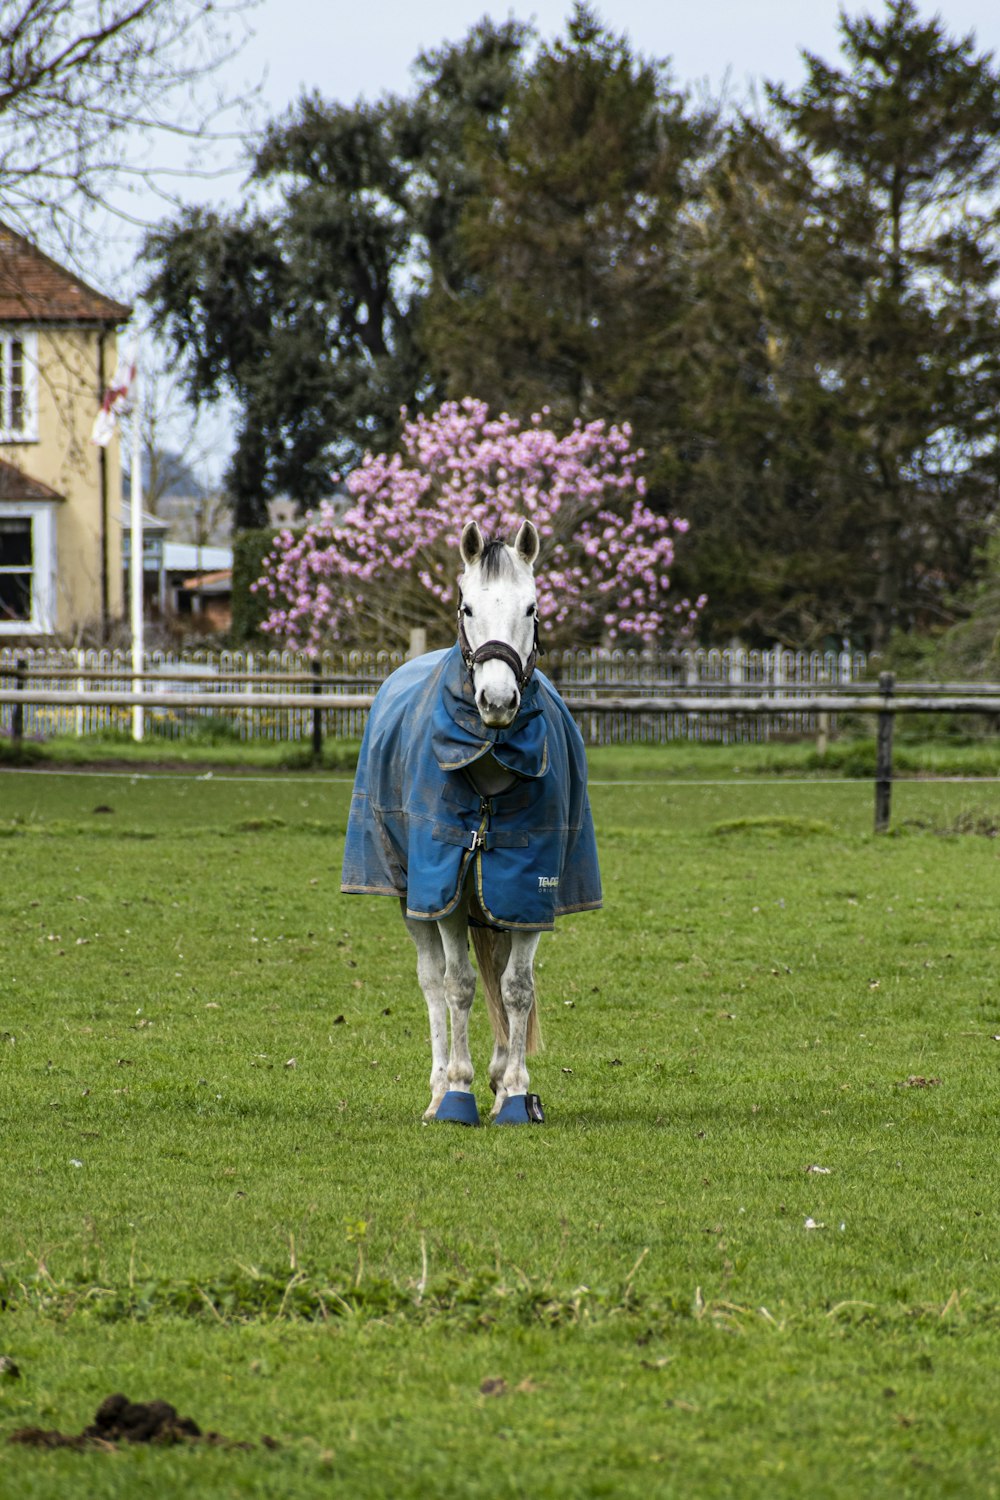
(806, 704)
(275, 695)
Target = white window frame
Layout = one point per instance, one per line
(42, 515)
(27, 431)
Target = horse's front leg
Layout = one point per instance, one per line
(459, 992)
(517, 986)
(430, 974)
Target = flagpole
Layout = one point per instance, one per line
(136, 570)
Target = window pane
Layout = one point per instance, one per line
(15, 596)
(16, 385)
(15, 543)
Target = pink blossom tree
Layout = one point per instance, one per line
(390, 562)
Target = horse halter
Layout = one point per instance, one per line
(497, 651)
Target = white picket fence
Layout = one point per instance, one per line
(778, 673)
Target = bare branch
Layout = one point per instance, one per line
(85, 83)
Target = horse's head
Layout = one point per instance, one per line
(498, 620)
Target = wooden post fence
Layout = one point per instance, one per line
(17, 714)
(883, 755)
(317, 725)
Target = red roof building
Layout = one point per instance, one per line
(60, 549)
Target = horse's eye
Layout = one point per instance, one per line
(467, 612)
(530, 610)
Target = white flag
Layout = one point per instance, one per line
(115, 403)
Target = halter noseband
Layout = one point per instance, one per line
(497, 651)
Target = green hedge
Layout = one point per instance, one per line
(249, 609)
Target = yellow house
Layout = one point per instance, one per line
(60, 541)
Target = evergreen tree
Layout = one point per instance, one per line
(904, 144)
(777, 533)
(571, 291)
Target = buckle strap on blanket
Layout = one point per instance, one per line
(480, 839)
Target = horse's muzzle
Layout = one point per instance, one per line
(498, 704)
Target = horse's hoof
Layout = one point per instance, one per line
(520, 1109)
(458, 1108)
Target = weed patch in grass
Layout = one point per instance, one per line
(981, 823)
(246, 1293)
(61, 828)
(774, 826)
(468, 1304)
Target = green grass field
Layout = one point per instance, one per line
(752, 1252)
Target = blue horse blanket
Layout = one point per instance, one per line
(419, 829)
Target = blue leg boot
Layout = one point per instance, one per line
(458, 1108)
(520, 1109)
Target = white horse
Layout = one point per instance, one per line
(470, 804)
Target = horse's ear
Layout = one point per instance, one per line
(472, 543)
(526, 543)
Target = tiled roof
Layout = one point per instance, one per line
(16, 485)
(36, 289)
